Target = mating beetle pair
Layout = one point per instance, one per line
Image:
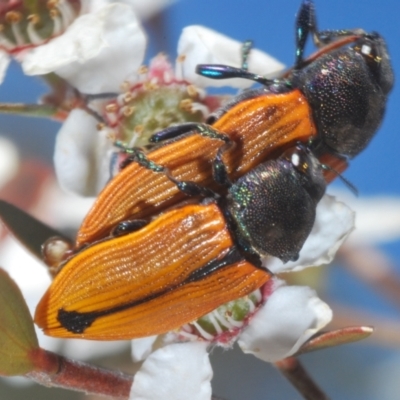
(164, 274)
(189, 260)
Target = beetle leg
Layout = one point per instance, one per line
(246, 48)
(220, 173)
(306, 23)
(174, 131)
(128, 226)
(189, 188)
(137, 155)
(178, 130)
(192, 188)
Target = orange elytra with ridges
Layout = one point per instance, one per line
(174, 270)
(259, 126)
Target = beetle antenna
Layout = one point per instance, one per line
(351, 187)
(219, 71)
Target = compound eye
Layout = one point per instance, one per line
(369, 49)
(299, 158)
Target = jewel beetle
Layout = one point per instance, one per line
(334, 101)
(188, 260)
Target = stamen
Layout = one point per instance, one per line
(125, 86)
(213, 320)
(128, 111)
(57, 20)
(251, 305)
(258, 297)
(111, 108)
(127, 97)
(33, 35)
(233, 322)
(192, 91)
(200, 107)
(67, 13)
(4, 41)
(202, 332)
(186, 105)
(187, 335)
(143, 70)
(138, 129)
(13, 18)
(112, 136)
(221, 318)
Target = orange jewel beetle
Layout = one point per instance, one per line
(188, 260)
(334, 100)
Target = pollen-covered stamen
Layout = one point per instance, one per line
(225, 322)
(157, 101)
(27, 23)
(33, 20)
(13, 18)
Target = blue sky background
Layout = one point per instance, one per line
(352, 372)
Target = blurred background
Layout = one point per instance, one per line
(369, 370)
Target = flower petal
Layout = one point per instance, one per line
(96, 53)
(178, 371)
(377, 218)
(67, 47)
(147, 8)
(200, 45)
(82, 155)
(4, 62)
(333, 224)
(141, 348)
(290, 316)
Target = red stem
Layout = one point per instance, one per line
(296, 374)
(57, 371)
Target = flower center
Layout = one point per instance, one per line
(148, 108)
(224, 323)
(27, 23)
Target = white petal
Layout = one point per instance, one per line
(291, 315)
(334, 222)
(178, 371)
(81, 41)
(9, 161)
(82, 155)
(147, 8)
(96, 53)
(141, 348)
(200, 45)
(88, 349)
(120, 57)
(4, 61)
(377, 218)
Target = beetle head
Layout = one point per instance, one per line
(273, 206)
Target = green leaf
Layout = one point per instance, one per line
(28, 230)
(17, 334)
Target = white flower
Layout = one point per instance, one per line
(201, 45)
(186, 374)
(94, 49)
(288, 317)
(83, 153)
